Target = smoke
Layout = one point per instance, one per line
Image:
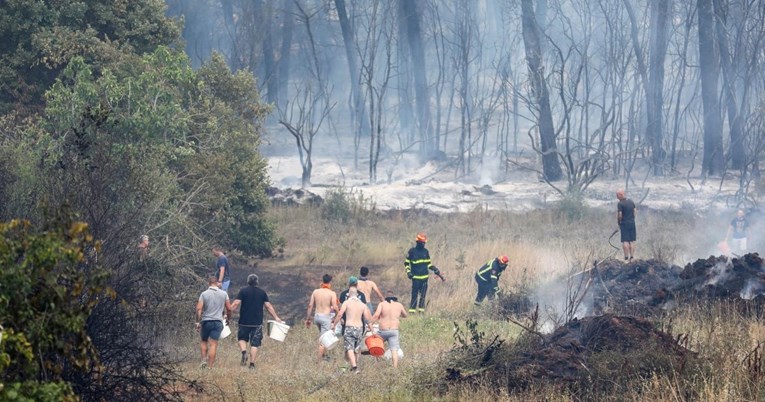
(563, 299)
(719, 274)
(753, 288)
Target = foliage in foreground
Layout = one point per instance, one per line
(46, 298)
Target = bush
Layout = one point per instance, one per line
(345, 207)
(47, 292)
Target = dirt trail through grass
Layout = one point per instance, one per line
(289, 287)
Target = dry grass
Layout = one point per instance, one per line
(540, 244)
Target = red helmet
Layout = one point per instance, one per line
(503, 259)
(421, 238)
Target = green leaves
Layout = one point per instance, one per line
(46, 296)
(41, 36)
(163, 137)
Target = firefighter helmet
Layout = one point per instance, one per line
(421, 238)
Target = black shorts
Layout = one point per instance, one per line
(628, 231)
(251, 334)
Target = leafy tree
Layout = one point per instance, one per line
(45, 299)
(40, 37)
(163, 146)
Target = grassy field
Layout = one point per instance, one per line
(541, 245)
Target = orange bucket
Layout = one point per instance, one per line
(375, 345)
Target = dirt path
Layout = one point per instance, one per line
(289, 287)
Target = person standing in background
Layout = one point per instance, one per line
(625, 216)
(739, 229)
(143, 247)
(222, 268)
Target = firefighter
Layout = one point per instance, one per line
(417, 264)
(487, 278)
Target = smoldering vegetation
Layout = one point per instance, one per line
(615, 328)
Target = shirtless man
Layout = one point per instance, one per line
(354, 311)
(324, 301)
(387, 315)
(367, 287)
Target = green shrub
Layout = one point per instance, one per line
(346, 207)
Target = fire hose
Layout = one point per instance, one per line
(611, 238)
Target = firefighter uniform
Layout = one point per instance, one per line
(487, 278)
(417, 264)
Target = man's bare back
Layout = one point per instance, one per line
(388, 314)
(354, 311)
(323, 300)
(367, 287)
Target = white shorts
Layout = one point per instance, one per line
(738, 244)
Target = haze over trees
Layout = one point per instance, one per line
(122, 118)
(589, 88)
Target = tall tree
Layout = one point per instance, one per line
(413, 15)
(709, 65)
(652, 75)
(356, 101)
(532, 40)
(285, 53)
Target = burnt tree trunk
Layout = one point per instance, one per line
(532, 43)
(356, 102)
(737, 154)
(655, 88)
(411, 13)
(712, 162)
(284, 59)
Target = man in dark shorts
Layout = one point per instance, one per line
(625, 216)
(213, 303)
(252, 299)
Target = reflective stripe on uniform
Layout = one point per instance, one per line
(488, 266)
(420, 261)
(420, 277)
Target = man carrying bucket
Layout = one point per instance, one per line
(323, 302)
(387, 315)
(355, 311)
(210, 307)
(252, 299)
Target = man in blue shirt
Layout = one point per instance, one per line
(222, 269)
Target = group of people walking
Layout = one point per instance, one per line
(213, 310)
(352, 313)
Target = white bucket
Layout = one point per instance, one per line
(388, 356)
(363, 347)
(278, 331)
(225, 332)
(328, 340)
